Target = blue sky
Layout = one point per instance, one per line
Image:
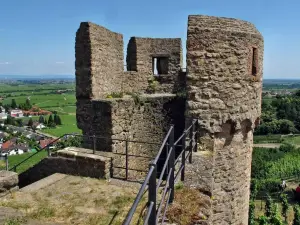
(37, 36)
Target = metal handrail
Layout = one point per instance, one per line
(154, 213)
(138, 197)
(163, 144)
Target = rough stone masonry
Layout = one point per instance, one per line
(223, 84)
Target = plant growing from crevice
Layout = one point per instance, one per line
(152, 85)
(115, 95)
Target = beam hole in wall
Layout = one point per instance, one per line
(254, 62)
(160, 65)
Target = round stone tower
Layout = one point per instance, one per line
(224, 83)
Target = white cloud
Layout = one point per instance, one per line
(60, 62)
(5, 63)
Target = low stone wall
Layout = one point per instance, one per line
(72, 161)
(8, 182)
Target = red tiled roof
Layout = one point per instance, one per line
(44, 143)
(7, 145)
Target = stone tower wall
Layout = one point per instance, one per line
(140, 54)
(99, 61)
(224, 93)
(224, 86)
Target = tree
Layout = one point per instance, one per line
(19, 122)
(50, 120)
(41, 119)
(30, 122)
(28, 103)
(55, 118)
(251, 219)
(254, 189)
(58, 120)
(10, 120)
(285, 205)
(13, 104)
(296, 220)
(269, 206)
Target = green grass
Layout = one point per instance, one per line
(273, 138)
(292, 140)
(15, 159)
(36, 88)
(69, 126)
(45, 101)
(276, 138)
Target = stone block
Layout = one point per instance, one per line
(8, 181)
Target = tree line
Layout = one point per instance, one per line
(280, 116)
(52, 121)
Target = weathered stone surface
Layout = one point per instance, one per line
(99, 61)
(146, 118)
(8, 181)
(219, 61)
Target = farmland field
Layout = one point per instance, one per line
(43, 96)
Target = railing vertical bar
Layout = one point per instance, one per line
(6, 161)
(191, 136)
(152, 194)
(126, 159)
(94, 144)
(196, 135)
(166, 207)
(48, 151)
(183, 157)
(150, 208)
(172, 165)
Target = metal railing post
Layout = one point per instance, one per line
(126, 159)
(152, 195)
(6, 161)
(196, 135)
(94, 144)
(183, 156)
(191, 137)
(172, 165)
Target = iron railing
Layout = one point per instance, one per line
(154, 184)
(95, 148)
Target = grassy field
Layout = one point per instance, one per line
(69, 126)
(45, 101)
(33, 88)
(277, 138)
(15, 159)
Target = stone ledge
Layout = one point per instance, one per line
(72, 152)
(8, 182)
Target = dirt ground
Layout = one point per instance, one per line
(71, 200)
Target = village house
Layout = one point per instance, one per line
(17, 113)
(38, 126)
(3, 116)
(47, 142)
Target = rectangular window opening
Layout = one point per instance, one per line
(254, 61)
(160, 65)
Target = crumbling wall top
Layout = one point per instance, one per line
(222, 23)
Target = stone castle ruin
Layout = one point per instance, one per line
(221, 87)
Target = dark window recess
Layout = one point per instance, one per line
(254, 61)
(160, 65)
